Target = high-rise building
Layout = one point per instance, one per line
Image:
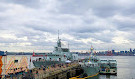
(113, 51)
(134, 51)
(121, 52)
(126, 51)
(130, 50)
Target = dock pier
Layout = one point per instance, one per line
(58, 71)
(62, 72)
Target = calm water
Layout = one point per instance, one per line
(125, 64)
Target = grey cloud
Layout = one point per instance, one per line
(28, 3)
(125, 24)
(128, 12)
(102, 8)
(81, 19)
(105, 37)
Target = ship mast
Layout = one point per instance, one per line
(58, 34)
(91, 52)
(59, 41)
(68, 46)
(91, 49)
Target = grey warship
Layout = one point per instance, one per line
(59, 55)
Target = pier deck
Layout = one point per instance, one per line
(61, 71)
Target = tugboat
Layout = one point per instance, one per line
(108, 67)
(113, 66)
(59, 55)
(90, 66)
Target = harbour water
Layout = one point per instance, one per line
(125, 64)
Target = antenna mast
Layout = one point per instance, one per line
(68, 45)
(58, 34)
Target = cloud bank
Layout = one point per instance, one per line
(29, 25)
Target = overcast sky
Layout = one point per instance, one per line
(27, 25)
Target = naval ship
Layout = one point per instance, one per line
(59, 55)
(90, 66)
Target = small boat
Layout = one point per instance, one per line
(108, 67)
(113, 66)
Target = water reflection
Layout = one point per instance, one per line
(107, 76)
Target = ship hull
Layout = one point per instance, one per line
(90, 72)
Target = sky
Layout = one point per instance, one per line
(32, 25)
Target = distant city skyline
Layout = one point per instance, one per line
(116, 53)
(32, 25)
